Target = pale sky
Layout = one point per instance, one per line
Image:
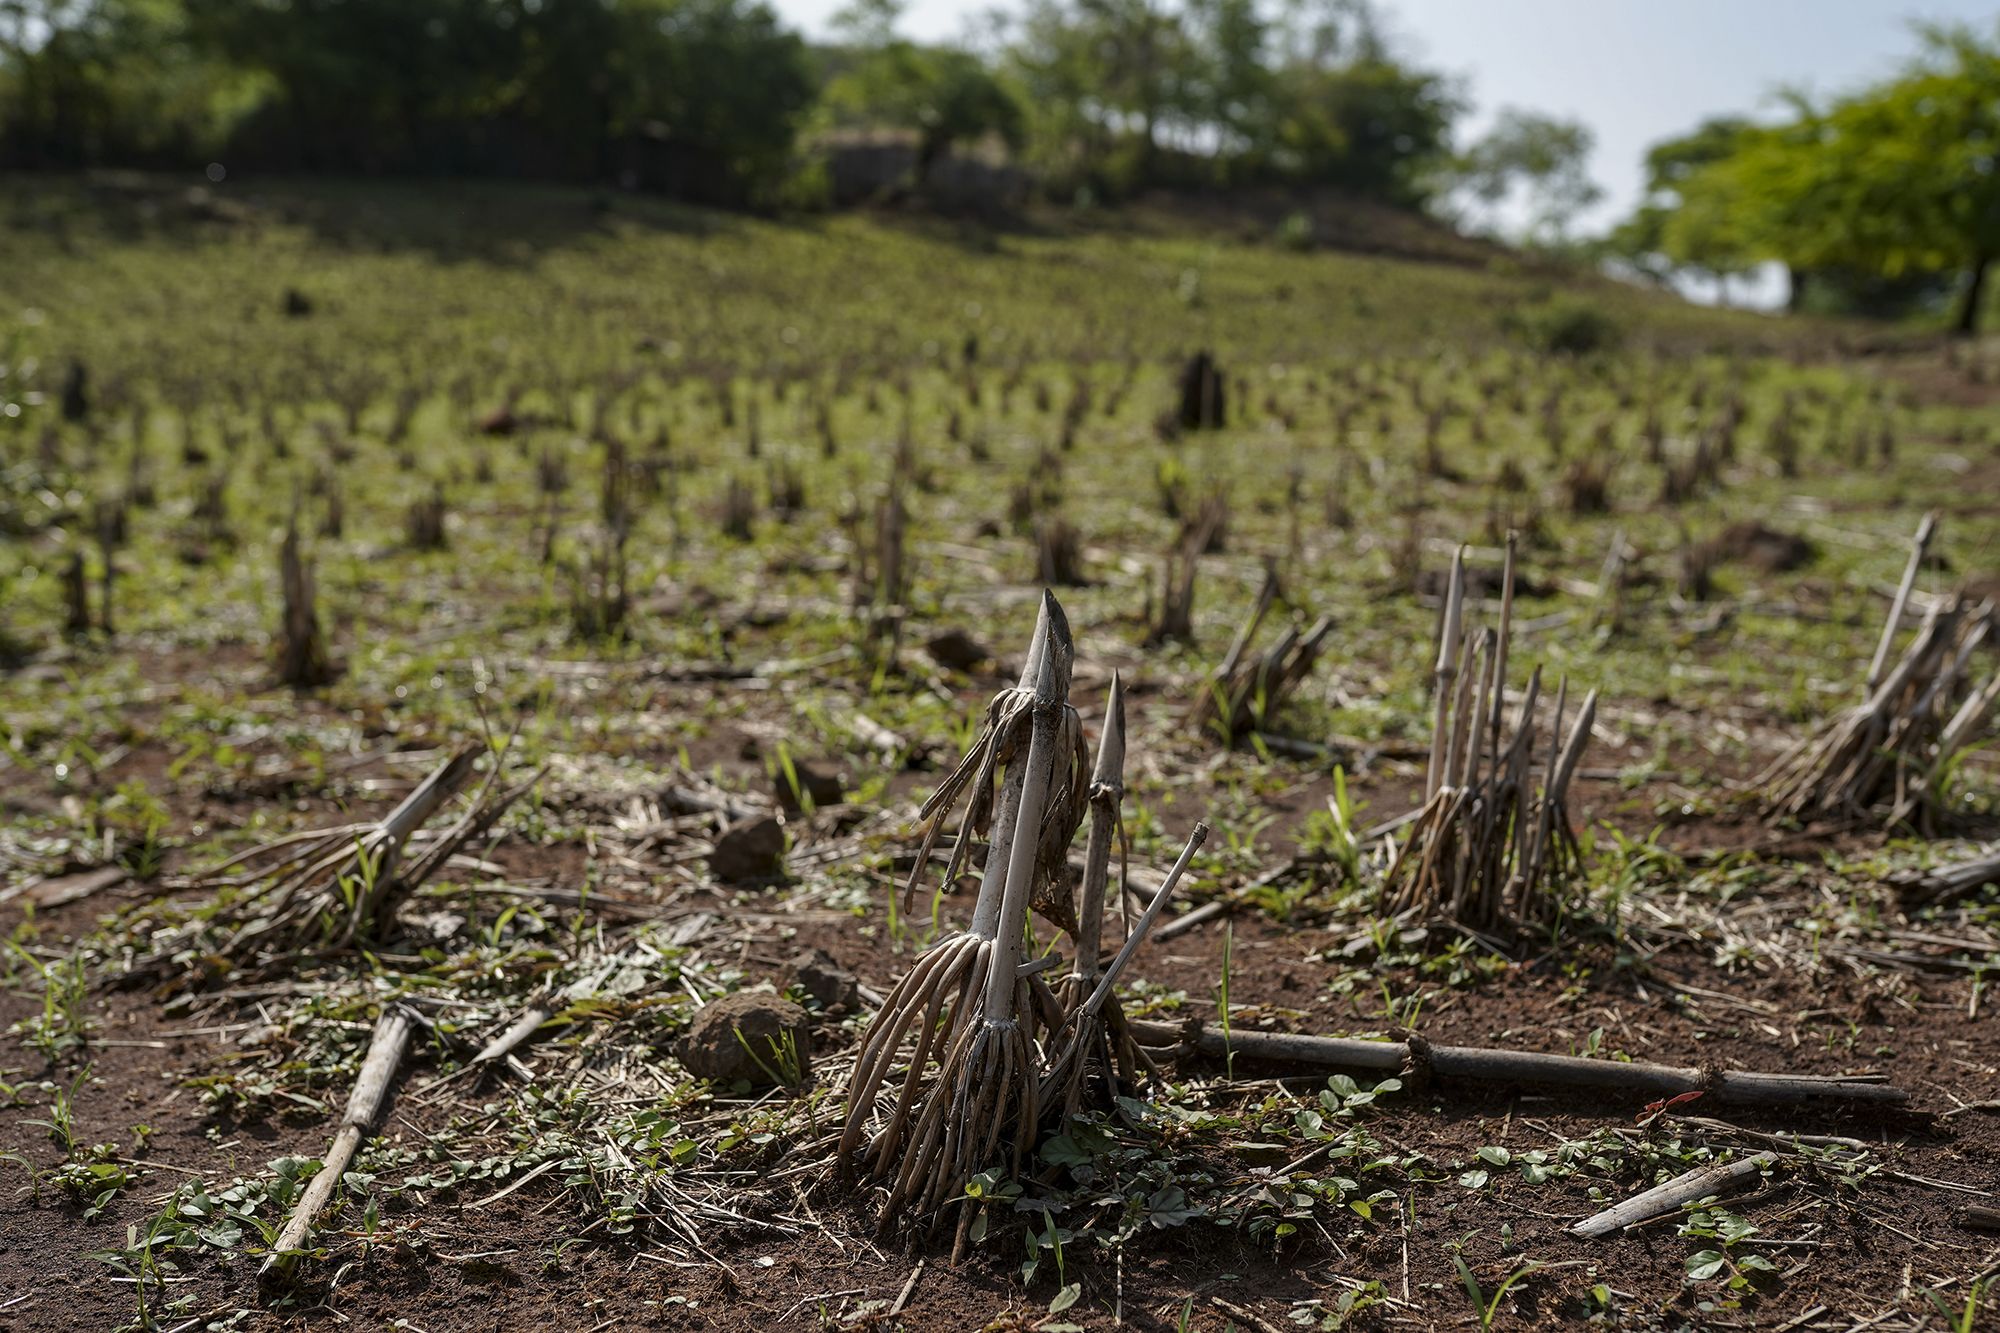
(1635, 71)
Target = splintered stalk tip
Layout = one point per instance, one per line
(1110, 766)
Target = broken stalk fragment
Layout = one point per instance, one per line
(1089, 1035)
(1107, 796)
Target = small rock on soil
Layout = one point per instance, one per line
(816, 782)
(955, 650)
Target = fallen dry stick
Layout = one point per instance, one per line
(371, 1089)
(1489, 1064)
(1669, 1197)
(1975, 1218)
(1953, 880)
(519, 1031)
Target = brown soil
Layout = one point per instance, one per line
(499, 1268)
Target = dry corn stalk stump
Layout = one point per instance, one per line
(972, 1048)
(341, 886)
(1890, 758)
(1489, 849)
(1248, 689)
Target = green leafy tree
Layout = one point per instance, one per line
(725, 80)
(546, 87)
(945, 96)
(1665, 234)
(88, 81)
(1544, 157)
(1227, 81)
(1889, 184)
(1106, 81)
(1373, 127)
(1135, 92)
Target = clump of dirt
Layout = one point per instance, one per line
(805, 781)
(1764, 549)
(821, 975)
(749, 1037)
(749, 851)
(955, 650)
(1482, 583)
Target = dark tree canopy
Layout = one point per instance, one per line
(714, 99)
(709, 91)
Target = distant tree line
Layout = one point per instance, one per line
(1874, 202)
(705, 93)
(715, 99)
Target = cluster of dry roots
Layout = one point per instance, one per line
(1489, 849)
(343, 885)
(1893, 752)
(973, 1046)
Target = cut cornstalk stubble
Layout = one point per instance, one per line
(967, 1012)
(1488, 849)
(1097, 1049)
(1891, 756)
(344, 884)
(1094, 1033)
(302, 657)
(1248, 690)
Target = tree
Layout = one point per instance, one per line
(544, 87)
(1373, 127)
(722, 79)
(1920, 162)
(1227, 81)
(1886, 185)
(1546, 158)
(1666, 232)
(1099, 75)
(89, 81)
(1138, 92)
(944, 95)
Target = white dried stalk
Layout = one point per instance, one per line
(966, 1005)
(1487, 850)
